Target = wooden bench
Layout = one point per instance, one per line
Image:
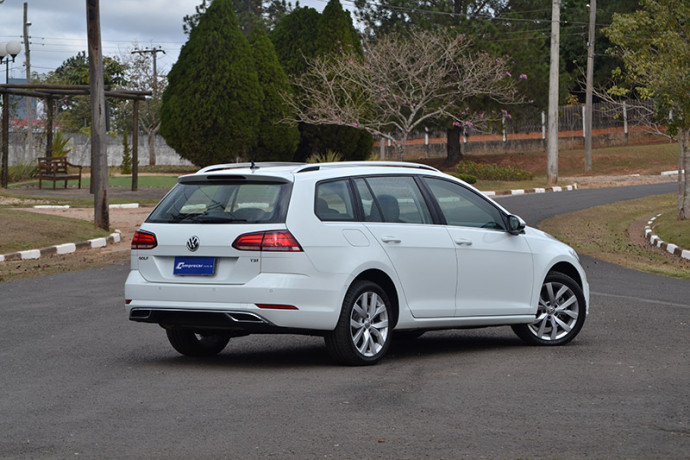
(55, 169)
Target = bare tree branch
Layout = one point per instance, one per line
(402, 82)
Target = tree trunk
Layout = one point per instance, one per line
(400, 146)
(453, 145)
(683, 184)
(152, 147)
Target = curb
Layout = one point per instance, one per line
(68, 248)
(566, 188)
(654, 240)
(61, 249)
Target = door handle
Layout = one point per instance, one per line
(462, 242)
(390, 239)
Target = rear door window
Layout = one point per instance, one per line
(398, 199)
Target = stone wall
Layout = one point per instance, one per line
(81, 150)
(484, 147)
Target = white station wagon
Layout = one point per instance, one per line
(356, 252)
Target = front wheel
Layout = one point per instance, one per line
(363, 334)
(195, 343)
(560, 315)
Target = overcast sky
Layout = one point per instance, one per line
(58, 29)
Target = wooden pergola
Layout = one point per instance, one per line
(51, 92)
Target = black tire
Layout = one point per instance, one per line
(194, 343)
(363, 334)
(560, 315)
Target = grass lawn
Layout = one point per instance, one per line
(634, 159)
(672, 230)
(24, 230)
(603, 232)
(144, 181)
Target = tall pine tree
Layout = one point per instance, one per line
(212, 104)
(276, 140)
(301, 36)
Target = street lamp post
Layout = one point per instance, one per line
(6, 50)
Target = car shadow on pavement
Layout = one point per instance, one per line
(290, 351)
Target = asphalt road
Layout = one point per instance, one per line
(78, 380)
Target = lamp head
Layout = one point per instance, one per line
(13, 49)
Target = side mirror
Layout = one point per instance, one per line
(516, 225)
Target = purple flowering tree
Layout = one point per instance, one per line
(403, 83)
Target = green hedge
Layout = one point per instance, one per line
(469, 178)
(493, 172)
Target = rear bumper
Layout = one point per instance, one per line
(236, 306)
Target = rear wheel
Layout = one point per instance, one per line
(560, 315)
(195, 343)
(362, 335)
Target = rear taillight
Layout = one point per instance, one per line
(144, 240)
(276, 240)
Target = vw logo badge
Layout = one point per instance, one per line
(193, 243)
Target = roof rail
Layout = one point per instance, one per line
(251, 165)
(347, 164)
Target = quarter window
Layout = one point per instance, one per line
(334, 201)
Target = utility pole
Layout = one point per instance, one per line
(29, 111)
(154, 52)
(99, 152)
(589, 111)
(554, 64)
(154, 87)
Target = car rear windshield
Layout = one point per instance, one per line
(223, 203)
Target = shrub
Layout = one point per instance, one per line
(493, 172)
(469, 178)
(126, 166)
(329, 157)
(22, 172)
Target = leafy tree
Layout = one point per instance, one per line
(382, 18)
(74, 113)
(212, 104)
(126, 166)
(250, 13)
(336, 30)
(276, 140)
(140, 77)
(654, 45)
(294, 39)
(302, 35)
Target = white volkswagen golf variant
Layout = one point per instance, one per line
(356, 252)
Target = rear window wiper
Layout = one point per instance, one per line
(203, 218)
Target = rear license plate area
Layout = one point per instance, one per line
(194, 266)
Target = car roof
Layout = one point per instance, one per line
(288, 171)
